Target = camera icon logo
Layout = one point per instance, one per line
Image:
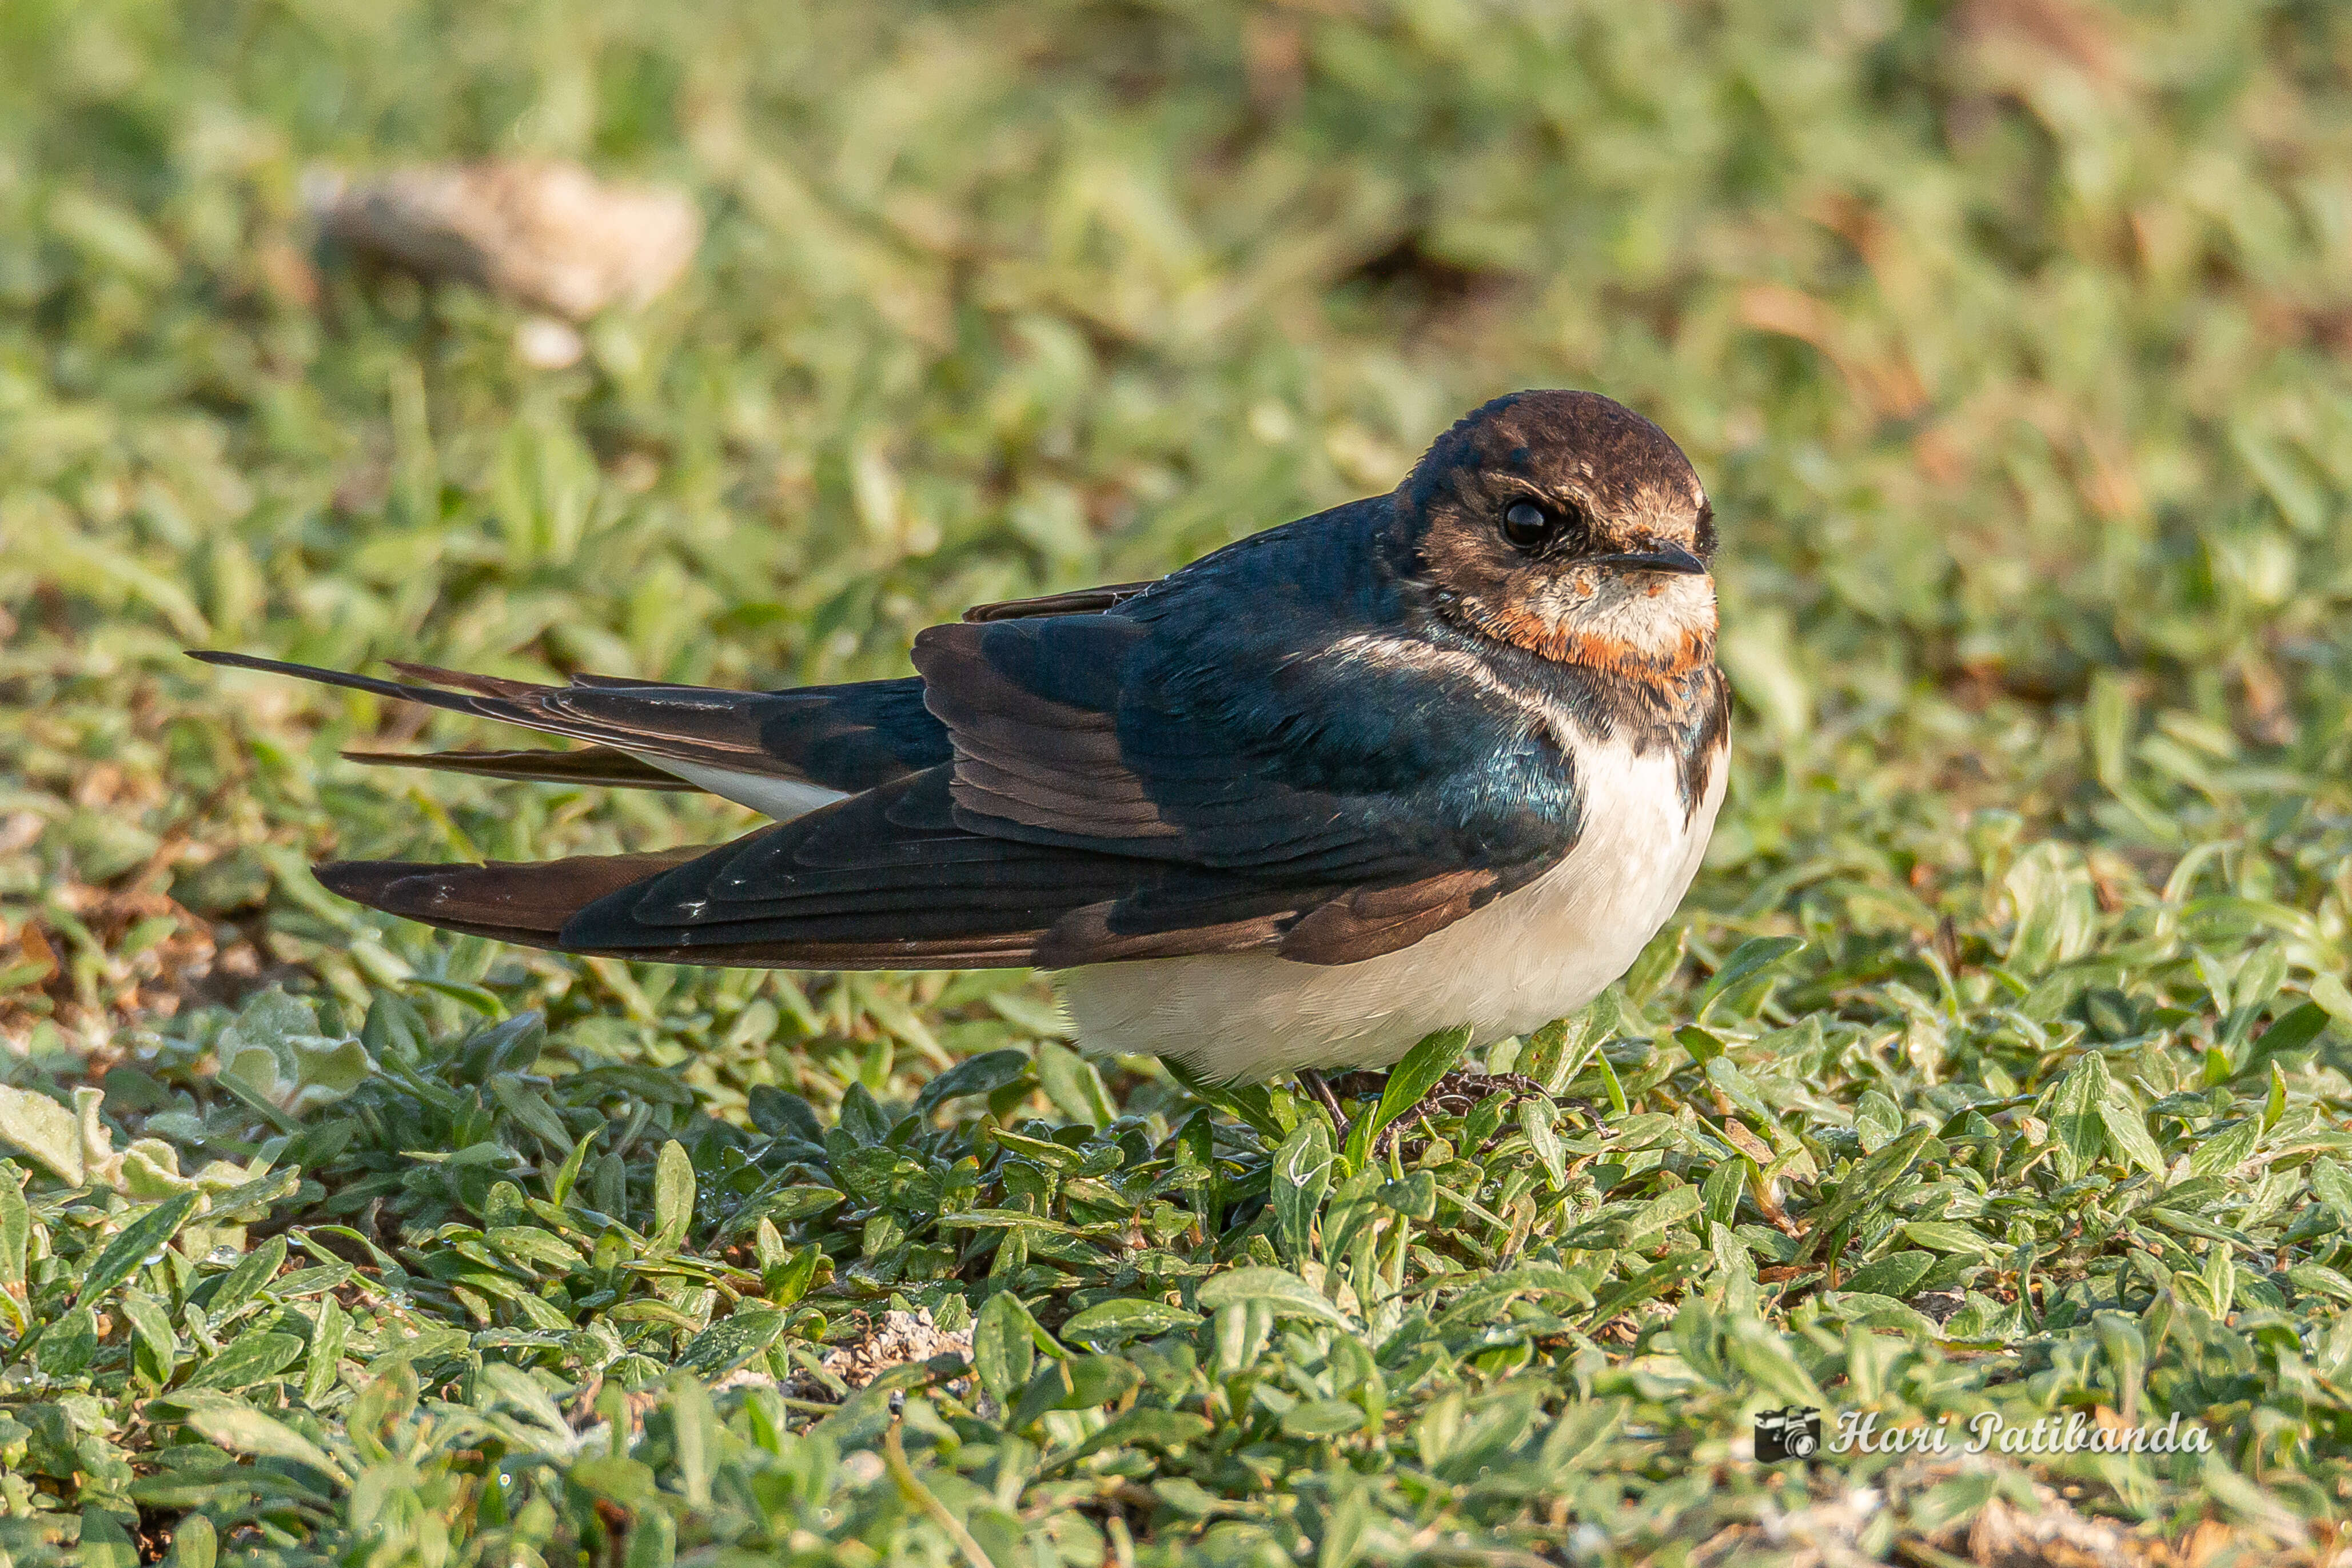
(1791, 1432)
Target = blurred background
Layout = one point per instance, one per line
(2008, 335)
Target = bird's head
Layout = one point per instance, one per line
(1570, 526)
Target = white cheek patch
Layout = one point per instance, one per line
(1642, 612)
(1645, 612)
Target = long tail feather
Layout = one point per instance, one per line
(780, 753)
(528, 903)
(524, 902)
(590, 765)
(452, 701)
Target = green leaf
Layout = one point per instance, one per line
(732, 1341)
(1144, 1427)
(1898, 1275)
(1719, 1194)
(1280, 1291)
(1323, 1419)
(1046, 1152)
(1535, 1120)
(104, 1542)
(1409, 1081)
(1245, 1103)
(15, 1225)
(1297, 1180)
(1747, 960)
(498, 1383)
(241, 1429)
(652, 1544)
(1415, 1197)
(1556, 1052)
(788, 1204)
(2332, 1184)
(558, 1191)
(1116, 1322)
(1877, 1121)
(2108, 720)
(240, 1284)
(142, 1239)
(693, 1438)
(2057, 909)
(983, 1074)
(2289, 1032)
(673, 1197)
(1703, 1047)
(1079, 1383)
(1488, 1295)
(329, 1334)
(2077, 1117)
(862, 1116)
(1666, 1210)
(1003, 1344)
(2221, 1154)
(527, 1245)
(2317, 1277)
(152, 1323)
(194, 1542)
(2127, 1133)
(39, 1126)
(246, 1359)
(1073, 1086)
(2334, 996)
(1616, 1091)
(1943, 1236)
(1657, 963)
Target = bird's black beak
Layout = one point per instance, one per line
(1657, 558)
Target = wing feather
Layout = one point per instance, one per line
(1124, 785)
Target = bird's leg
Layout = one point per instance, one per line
(1312, 1081)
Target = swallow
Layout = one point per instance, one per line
(1447, 756)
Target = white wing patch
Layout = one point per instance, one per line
(782, 798)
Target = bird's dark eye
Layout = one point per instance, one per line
(1526, 525)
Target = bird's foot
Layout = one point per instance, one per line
(1459, 1091)
(1456, 1094)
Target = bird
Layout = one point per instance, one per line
(1448, 756)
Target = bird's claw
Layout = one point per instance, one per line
(1456, 1094)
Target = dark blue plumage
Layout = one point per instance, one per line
(1335, 745)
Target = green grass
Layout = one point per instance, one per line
(2011, 338)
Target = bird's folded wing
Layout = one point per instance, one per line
(889, 880)
(1126, 788)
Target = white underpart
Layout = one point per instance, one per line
(1535, 955)
(782, 798)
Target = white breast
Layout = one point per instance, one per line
(1535, 955)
